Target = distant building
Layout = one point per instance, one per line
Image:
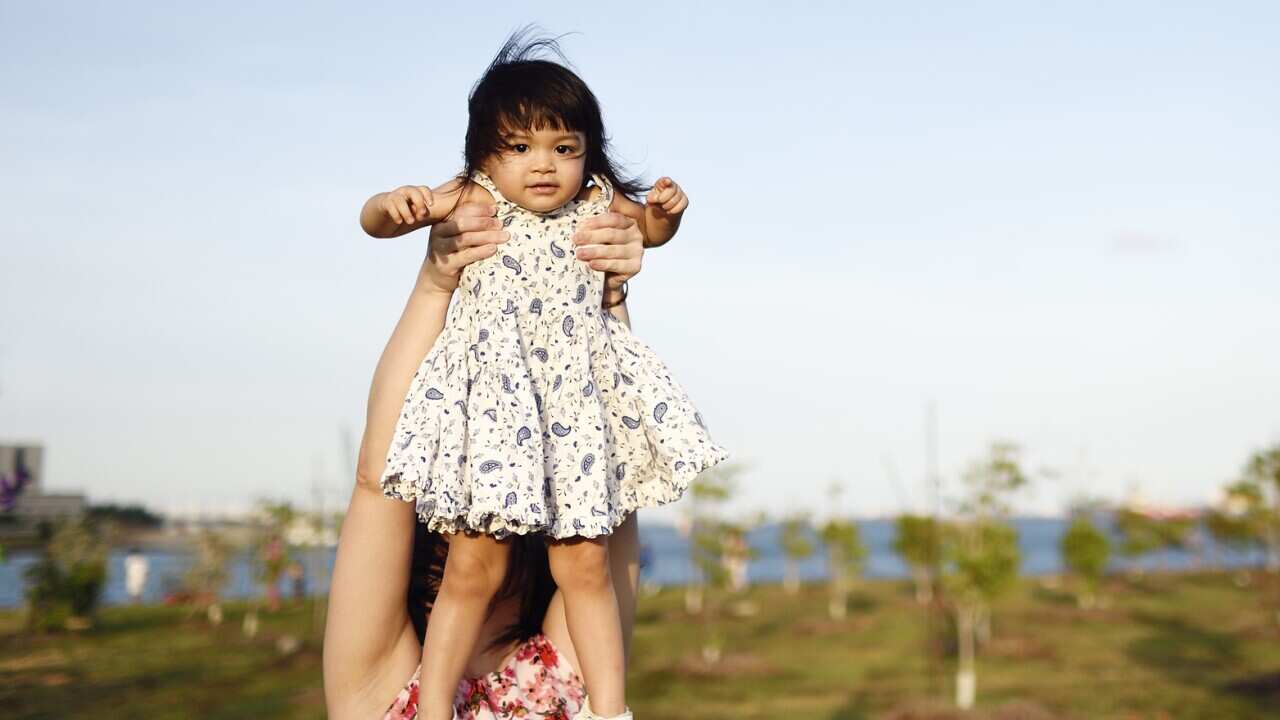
(23, 502)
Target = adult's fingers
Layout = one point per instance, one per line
(606, 220)
(470, 255)
(618, 229)
(619, 251)
(626, 268)
(465, 223)
(609, 236)
(475, 239)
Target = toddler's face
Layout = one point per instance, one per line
(539, 170)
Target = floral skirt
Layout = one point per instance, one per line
(535, 682)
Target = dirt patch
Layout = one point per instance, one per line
(730, 665)
(824, 627)
(34, 661)
(56, 679)
(1013, 710)
(1019, 648)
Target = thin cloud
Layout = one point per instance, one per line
(1143, 244)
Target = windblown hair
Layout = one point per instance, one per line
(528, 578)
(522, 91)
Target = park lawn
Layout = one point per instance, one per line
(1168, 646)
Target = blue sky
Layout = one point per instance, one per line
(1057, 224)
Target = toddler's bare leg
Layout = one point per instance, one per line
(580, 567)
(624, 564)
(473, 572)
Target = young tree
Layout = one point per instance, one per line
(980, 551)
(736, 553)
(1253, 507)
(796, 545)
(1085, 551)
(845, 557)
(1256, 497)
(271, 548)
(209, 572)
(1229, 528)
(1139, 534)
(65, 585)
(918, 542)
(708, 491)
(709, 544)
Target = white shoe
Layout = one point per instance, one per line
(586, 714)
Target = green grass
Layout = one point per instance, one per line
(1188, 646)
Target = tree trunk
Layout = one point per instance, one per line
(982, 627)
(966, 674)
(838, 606)
(693, 598)
(250, 626)
(791, 577)
(1273, 550)
(924, 584)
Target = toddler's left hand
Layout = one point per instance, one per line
(667, 197)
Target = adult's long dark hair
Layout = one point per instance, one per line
(520, 90)
(528, 578)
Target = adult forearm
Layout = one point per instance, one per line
(414, 334)
(367, 611)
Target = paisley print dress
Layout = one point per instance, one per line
(536, 410)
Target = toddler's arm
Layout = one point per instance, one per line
(659, 217)
(409, 207)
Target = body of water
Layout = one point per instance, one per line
(666, 551)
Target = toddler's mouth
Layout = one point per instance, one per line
(544, 188)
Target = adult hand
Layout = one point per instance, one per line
(613, 243)
(471, 234)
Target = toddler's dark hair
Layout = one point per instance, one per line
(520, 91)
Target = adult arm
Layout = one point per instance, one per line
(370, 648)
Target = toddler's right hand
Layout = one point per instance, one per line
(471, 234)
(407, 204)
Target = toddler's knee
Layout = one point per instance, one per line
(475, 571)
(580, 566)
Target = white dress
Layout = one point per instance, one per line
(536, 410)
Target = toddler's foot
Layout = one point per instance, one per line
(587, 714)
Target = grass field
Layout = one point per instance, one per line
(1186, 646)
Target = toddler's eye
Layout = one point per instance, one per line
(564, 149)
(519, 147)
